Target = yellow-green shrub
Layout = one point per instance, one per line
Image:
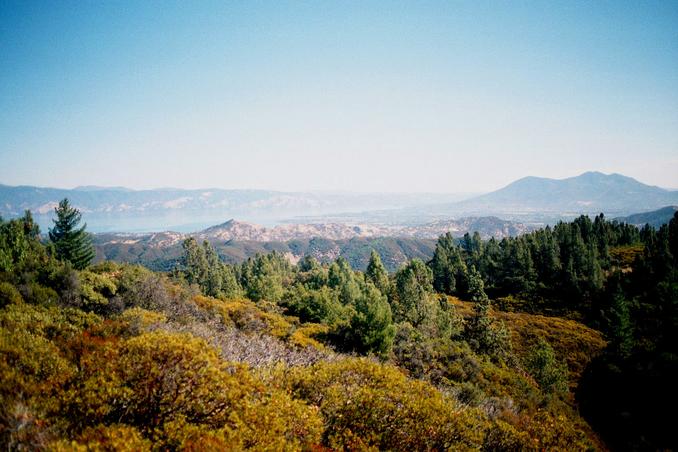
(9, 294)
(96, 289)
(140, 320)
(176, 390)
(365, 404)
(105, 438)
(304, 335)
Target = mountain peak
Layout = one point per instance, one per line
(588, 193)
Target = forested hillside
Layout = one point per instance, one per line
(151, 252)
(655, 218)
(561, 339)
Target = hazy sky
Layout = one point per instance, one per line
(364, 96)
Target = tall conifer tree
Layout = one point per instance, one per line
(71, 242)
(377, 274)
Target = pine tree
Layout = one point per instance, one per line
(619, 327)
(372, 327)
(482, 334)
(546, 369)
(215, 271)
(262, 277)
(71, 243)
(412, 300)
(194, 262)
(229, 286)
(342, 278)
(376, 273)
(449, 269)
(673, 237)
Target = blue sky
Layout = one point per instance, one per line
(361, 96)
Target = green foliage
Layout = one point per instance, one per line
(263, 277)
(344, 281)
(202, 266)
(412, 300)
(376, 273)
(38, 294)
(311, 273)
(618, 320)
(96, 289)
(21, 253)
(372, 327)
(482, 332)
(13, 245)
(548, 372)
(449, 269)
(9, 295)
(71, 243)
(317, 305)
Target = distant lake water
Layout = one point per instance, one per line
(152, 223)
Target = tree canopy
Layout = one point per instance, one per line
(71, 242)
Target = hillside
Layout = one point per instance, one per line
(486, 226)
(237, 240)
(279, 357)
(655, 218)
(162, 251)
(531, 343)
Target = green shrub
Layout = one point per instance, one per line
(9, 295)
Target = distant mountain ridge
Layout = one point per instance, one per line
(104, 207)
(238, 230)
(535, 200)
(588, 193)
(233, 230)
(655, 218)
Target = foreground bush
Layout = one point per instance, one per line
(365, 404)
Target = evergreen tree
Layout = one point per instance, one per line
(473, 247)
(619, 328)
(376, 273)
(546, 257)
(673, 238)
(518, 273)
(194, 262)
(215, 271)
(308, 263)
(31, 228)
(229, 282)
(15, 242)
(202, 266)
(481, 332)
(489, 263)
(412, 298)
(71, 243)
(372, 327)
(447, 265)
(621, 332)
(549, 373)
(263, 277)
(311, 273)
(342, 278)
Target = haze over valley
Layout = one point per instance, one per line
(528, 202)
